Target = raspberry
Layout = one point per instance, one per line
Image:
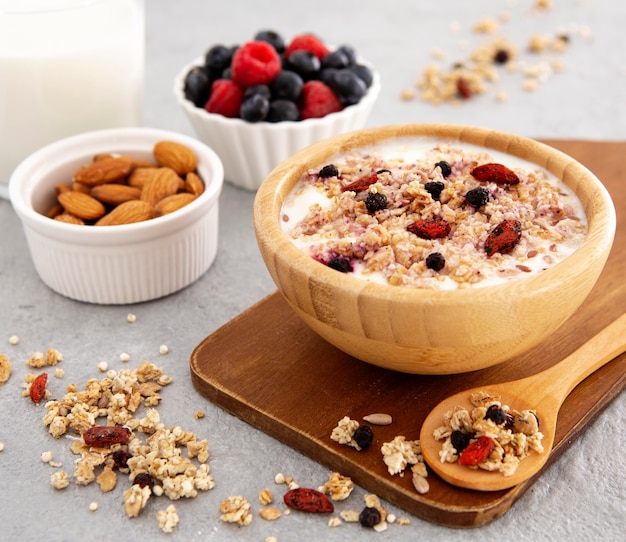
(255, 63)
(225, 99)
(318, 100)
(307, 42)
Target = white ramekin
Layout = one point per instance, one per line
(120, 264)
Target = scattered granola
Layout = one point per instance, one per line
(490, 436)
(265, 496)
(269, 513)
(399, 453)
(338, 487)
(5, 369)
(168, 519)
(59, 479)
(236, 509)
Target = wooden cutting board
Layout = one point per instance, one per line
(269, 369)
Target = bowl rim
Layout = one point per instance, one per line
(179, 83)
(44, 161)
(272, 192)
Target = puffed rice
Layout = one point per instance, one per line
(14, 339)
(168, 519)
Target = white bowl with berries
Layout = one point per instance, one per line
(258, 103)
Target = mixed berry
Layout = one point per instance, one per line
(271, 80)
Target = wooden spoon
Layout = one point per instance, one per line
(543, 392)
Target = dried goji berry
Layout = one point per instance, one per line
(306, 499)
(504, 237)
(38, 388)
(462, 87)
(361, 184)
(494, 173)
(103, 436)
(477, 451)
(435, 228)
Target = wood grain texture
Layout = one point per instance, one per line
(268, 368)
(428, 331)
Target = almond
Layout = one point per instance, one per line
(54, 211)
(141, 176)
(114, 194)
(172, 203)
(194, 184)
(69, 219)
(81, 205)
(80, 187)
(105, 170)
(176, 156)
(165, 183)
(128, 212)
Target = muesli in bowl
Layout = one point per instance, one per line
(475, 244)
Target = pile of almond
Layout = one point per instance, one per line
(116, 189)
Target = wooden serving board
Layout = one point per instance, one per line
(269, 369)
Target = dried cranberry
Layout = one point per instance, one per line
(369, 516)
(363, 436)
(496, 414)
(143, 479)
(434, 188)
(120, 458)
(341, 264)
(329, 170)
(501, 57)
(460, 440)
(435, 261)
(375, 202)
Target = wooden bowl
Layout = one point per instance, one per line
(433, 331)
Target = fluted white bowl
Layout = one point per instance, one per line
(120, 264)
(250, 151)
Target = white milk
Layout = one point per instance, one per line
(66, 66)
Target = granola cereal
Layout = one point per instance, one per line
(338, 487)
(5, 369)
(400, 453)
(236, 509)
(168, 519)
(381, 215)
(513, 434)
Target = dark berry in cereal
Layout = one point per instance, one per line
(460, 440)
(369, 517)
(501, 56)
(143, 479)
(120, 458)
(329, 170)
(341, 264)
(435, 228)
(375, 202)
(434, 188)
(445, 167)
(496, 414)
(363, 436)
(435, 261)
(477, 197)
(494, 173)
(504, 237)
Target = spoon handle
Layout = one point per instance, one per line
(560, 379)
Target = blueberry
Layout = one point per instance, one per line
(369, 516)
(435, 261)
(329, 170)
(281, 110)
(375, 202)
(262, 90)
(496, 414)
(255, 108)
(273, 38)
(349, 52)
(364, 73)
(434, 188)
(477, 197)
(217, 59)
(445, 168)
(287, 85)
(363, 436)
(348, 86)
(335, 59)
(341, 264)
(197, 86)
(304, 63)
(327, 76)
(460, 440)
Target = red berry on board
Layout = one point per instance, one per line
(225, 99)
(38, 388)
(318, 100)
(307, 42)
(494, 173)
(477, 451)
(255, 63)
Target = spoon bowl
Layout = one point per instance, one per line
(543, 392)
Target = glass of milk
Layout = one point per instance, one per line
(66, 66)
